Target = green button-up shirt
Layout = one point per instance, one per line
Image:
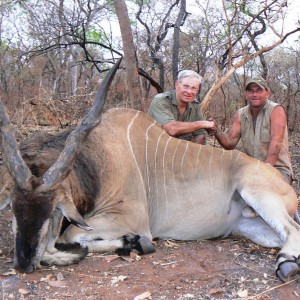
(164, 109)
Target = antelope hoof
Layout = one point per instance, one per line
(140, 244)
(146, 245)
(287, 270)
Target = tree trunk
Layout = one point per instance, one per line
(132, 77)
(176, 42)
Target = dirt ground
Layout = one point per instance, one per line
(231, 268)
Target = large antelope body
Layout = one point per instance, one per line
(124, 181)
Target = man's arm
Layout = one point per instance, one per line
(278, 125)
(229, 140)
(176, 128)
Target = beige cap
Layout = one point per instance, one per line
(259, 81)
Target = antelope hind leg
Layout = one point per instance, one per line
(256, 230)
(274, 212)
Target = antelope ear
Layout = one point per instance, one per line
(69, 210)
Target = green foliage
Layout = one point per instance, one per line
(110, 4)
(94, 35)
(141, 2)
(3, 45)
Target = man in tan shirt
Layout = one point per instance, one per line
(262, 128)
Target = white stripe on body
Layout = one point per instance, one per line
(211, 188)
(155, 178)
(150, 195)
(131, 149)
(182, 174)
(174, 182)
(164, 178)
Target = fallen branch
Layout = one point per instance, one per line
(271, 289)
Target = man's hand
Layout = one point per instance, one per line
(213, 129)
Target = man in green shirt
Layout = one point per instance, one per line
(178, 111)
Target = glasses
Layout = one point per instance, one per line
(258, 91)
(188, 87)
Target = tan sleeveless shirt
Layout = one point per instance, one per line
(256, 143)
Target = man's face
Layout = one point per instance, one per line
(186, 90)
(256, 95)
